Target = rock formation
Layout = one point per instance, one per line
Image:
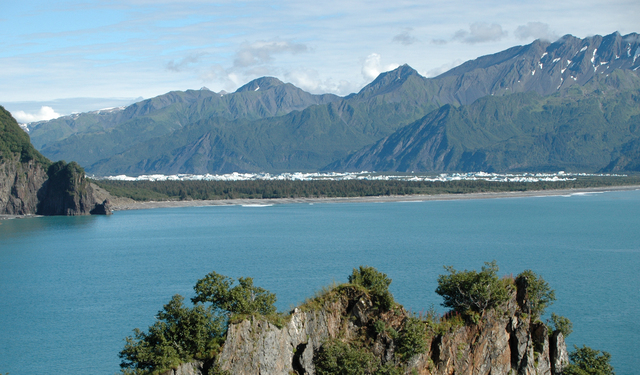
(31, 184)
(503, 341)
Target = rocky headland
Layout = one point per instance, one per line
(504, 341)
(30, 184)
(357, 328)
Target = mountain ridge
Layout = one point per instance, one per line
(268, 125)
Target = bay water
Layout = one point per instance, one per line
(72, 288)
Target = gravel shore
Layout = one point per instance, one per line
(121, 204)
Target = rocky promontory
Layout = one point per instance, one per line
(504, 341)
(31, 184)
(493, 328)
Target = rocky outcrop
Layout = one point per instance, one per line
(26, 188)
(191, 368)
(259, 347)
(30, 184)
(504, 341)
(20, 186)
(68, 192)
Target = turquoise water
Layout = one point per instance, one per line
(73, 287)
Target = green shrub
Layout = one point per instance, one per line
(337, 357)
(244, 298)
(449, 323)
(560, 323)
(381, 327)
(587, 361)
(413, 338)
(539, 294)
(377, 283)
(182, 334)
(179, 335)
(472, 291)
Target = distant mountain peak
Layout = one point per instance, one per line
(388, 81)
(401, 72)
(263, 83)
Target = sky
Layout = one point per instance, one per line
(60, 57)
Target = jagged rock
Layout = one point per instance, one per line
(558, 354)
(542, 360)
(257, 346)
(191, 368)
(68, 192)
(503, 342)
(20, 184)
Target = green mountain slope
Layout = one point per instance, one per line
(300, 140)
(518, 132)
(93, 136)
(270, 126)
(14, 142)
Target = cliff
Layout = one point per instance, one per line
(357, 328)
(31, 184)
(504, 340)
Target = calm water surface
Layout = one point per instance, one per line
(71, 288)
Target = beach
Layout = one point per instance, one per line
(122, 204)
(119, 204)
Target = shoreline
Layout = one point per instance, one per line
(125, 205)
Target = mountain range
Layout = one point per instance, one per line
(573, 104)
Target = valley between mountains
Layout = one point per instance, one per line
(572, 105)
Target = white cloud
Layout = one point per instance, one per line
(180, 64)
(262, 52)
(45, 113)
(441, 69)
(310, 80)
(535, 30)
(480, 32)
(405, 37)
(126, 48)
(372, 67)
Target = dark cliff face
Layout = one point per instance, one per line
(31, 184)
(67, 192)
(20, 184)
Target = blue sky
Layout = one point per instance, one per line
(60, 53)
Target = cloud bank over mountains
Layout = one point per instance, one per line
(127, 49)
(45, 113)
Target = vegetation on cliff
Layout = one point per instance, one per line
(587, 361)
(30, 183)
(383, 338)
(182, 334)
(14, 141)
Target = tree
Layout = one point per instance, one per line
(539, 294)
(472, 291)
(413, 338)
(376, 282)
(560, 323)
(337, 357)
(183, 333)
(244, 298)
(587, 361)
(179, 335)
